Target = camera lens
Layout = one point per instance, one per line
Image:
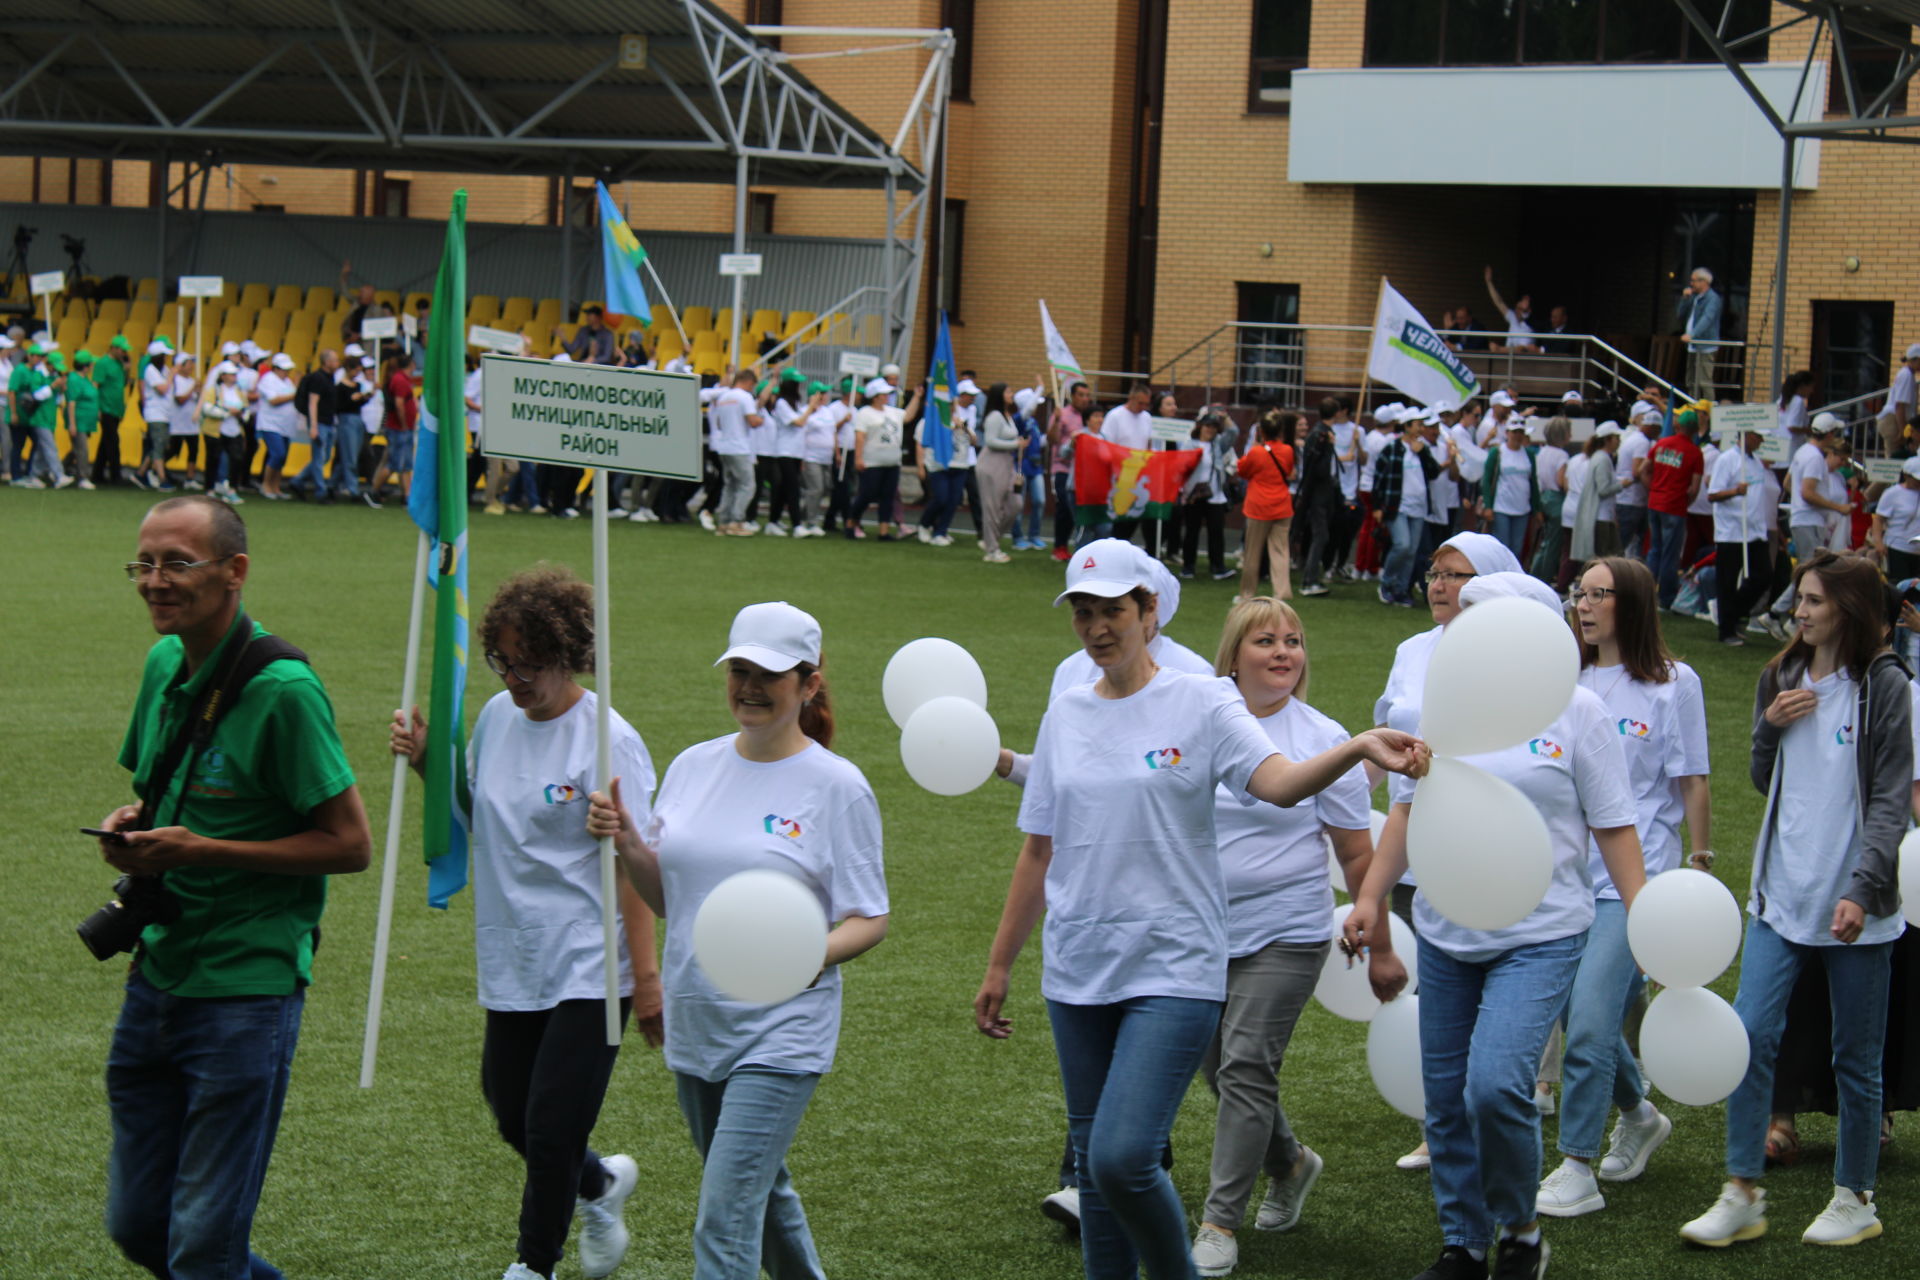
(109, 931)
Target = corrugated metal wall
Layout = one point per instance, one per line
(802, 273)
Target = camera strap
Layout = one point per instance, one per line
(241, 658)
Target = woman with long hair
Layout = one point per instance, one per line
(1833, 753)
(1489, 997)
(998, 474)
(1279, 931)
(1267, 468)
(1660, 716)
(1121, 857)
(545, 1062)
(771, 796)
(789, 407)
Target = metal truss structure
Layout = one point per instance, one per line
(1853, 25)
(622, 90)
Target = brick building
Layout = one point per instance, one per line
(1159, 169)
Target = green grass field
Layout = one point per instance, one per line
(927, 1150)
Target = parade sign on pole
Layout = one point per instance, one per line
(44, 285)
(860, 364)
(1731, 421)
(200, 288)
(504, 341)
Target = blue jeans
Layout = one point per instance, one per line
(1857, 978)
(944, 491)
(46, 456)
(313, 476)
(1599, 1067)
(1034, 498)
(400, 444)
(1632, 522)
(1125, 1068)
(194, 1091)
(349, 437)
(1512, 530)
(1396, 575)
(750, 1216)
(1669, 536)
(1483, 1026)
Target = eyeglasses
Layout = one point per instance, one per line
(168, 571)
(1448, 579)
(1595, 594)
(522, 671)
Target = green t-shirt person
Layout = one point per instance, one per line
(84, 398)
(110, 376)
(19, 385)
(43, 412)
(274, 757)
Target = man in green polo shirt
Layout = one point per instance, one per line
(110, 377)
(38, 400)
(83, 414)
(243, 836)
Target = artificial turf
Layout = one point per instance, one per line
(927, 1150)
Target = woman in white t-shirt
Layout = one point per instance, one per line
(1489, 998)
(1660, 717)
(819, 427)
(183, 416)
(544, 1064)
(789, 409)
(1121, 858)
(1279, 931)
(1833, 749)
(156, 410)
(1550, 471)
(770, 797)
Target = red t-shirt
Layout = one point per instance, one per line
(1671, 466)
(403, 408)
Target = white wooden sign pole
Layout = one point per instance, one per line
(603, 748)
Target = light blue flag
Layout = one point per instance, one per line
(621, 256)
(937, 428)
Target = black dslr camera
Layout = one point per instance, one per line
(138, 901)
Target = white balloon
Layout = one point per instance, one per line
(1910, 877)
(1694, 1046)
(760, 937)
(929, 668)
(1684, 928)
(950, 746)
(1393, 1056)
(1503, 671)
(1343, 989)
(1477, 845)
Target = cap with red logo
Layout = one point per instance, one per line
(1106, 567)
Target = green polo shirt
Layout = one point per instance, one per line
(18, 382)
(111, 377)
(85, 398)
(274, 757)
(40, 413)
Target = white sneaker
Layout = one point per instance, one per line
(706, 521)
(63, 482)
(775, 531)
(619, 513)
(645, 515)
(1631, 1145)
(1844, 1221)
(1733, 1217)
(521, 1271)
(943, 541)
(751, 526)
(32, 482)
(1415, 1159)
(1280, 1210)
(1063, 1206)
(86, 486)
(603, 1233)
(1543, 1098)
(1569, 1192)
(1215, 1253)
(637, 517)
(925, 534)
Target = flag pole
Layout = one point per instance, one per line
(389, 867)
(672, 310)
(603, 748)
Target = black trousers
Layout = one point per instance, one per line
(1742, 573)
(763, 473)
(1149, 534)
(544, 1075)
(878, 487)
(106, 463)
(786, 491)
(1213, 517)
(559, 488)
(1314, 519)
(840, 494)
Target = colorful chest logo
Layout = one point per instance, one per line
(1164, 758)
(561, 793)
(1634, 728)
(1548, 747)
(778, 826)
(1844, 735)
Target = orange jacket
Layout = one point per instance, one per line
(1267, 468)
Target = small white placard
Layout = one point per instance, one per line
(1746, 417)
(202, 286)
(739, 264)
(56, 281)
(379, 327)
(857, 362)
(592, 415)
(1884, 470)
(1177, 430)
(411, 324)
(505, 341)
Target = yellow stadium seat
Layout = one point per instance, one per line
(515, 312)
(99, 334)
(764, 323)
(668, 347)
(414, 299)
(723, 321)
(388, 298)
(71, 335)
(114, 309)
(548, 313)
(320, 298)
(76, 309)
(483, 308)
(301, 353)
(147, 290)
(567, 332)
(238, 317)
(697, 318)
(708, 362)
(256, 296)
(662, 316)
(144, 313)
(138, 335)
(229, 292)
(288, 297)
(800, 324)
(275, 316)
(706, 341)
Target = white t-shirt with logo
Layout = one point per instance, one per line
(811, 816)
(1575, 774)
(818, 432)
(1634, 446)
(843, 419)
(1729, 525)
(1136, 903)
(536, 871)
(277, 419)
(1413, 486)
(789, 428)
(155, 403)
(1274, 863)
(727, 412)
(1443, 491)
(1579, 467)
(1813, 845)
(1546, 467)
(884, 430)
(1515, 496)
(183, 417)
(1663, 733)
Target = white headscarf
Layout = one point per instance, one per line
(1486, 553)
(1491, 586)
(1164, 585)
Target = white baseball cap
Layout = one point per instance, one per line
(1911, 467)
(5, 342)
(157, 348)
(774, 635)
(889, 370)
(1025, 398)
(1913, 352)
(1105, 567)
(1443, 406)
(1502, 398)
(368, 362)
(229, 348)
(282, 360)
(1572, 397)
(354, 349)
(225, 367)
(966, 388)
(1607, 428)
(879, 387)
(1387, 414)
(1823, 423)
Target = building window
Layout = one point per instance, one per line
(953, 246)
(957, 17)
(1873, 46)
(760, 213)
(390, 196)
(1268, 359)
(765, 13)
(1281, 29)
(1852, 349)
(1470, 33)
(269, 208)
